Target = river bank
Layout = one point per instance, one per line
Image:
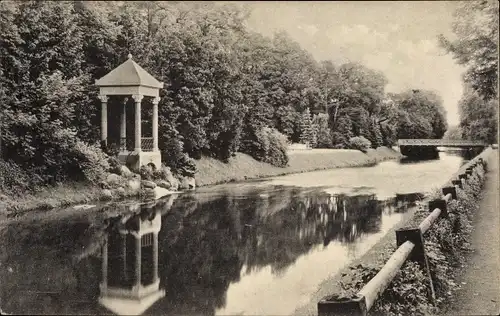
(378, 255)
(210, 172)
(243, 167)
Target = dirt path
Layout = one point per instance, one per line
(480, 278)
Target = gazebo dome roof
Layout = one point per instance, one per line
(129, 73)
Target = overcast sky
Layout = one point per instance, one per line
(396, 37)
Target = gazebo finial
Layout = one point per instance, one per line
(129, 56)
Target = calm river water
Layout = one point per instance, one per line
(255, 248)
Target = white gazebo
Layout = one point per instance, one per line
(130, 79)
(130, 283)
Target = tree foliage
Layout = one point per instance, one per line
(476, 47)
(421, 114)
(476, 44)
(453, 133)
(227, 89)
(478, 117)
(306, 128)
(323, 132)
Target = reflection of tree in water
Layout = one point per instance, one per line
(204, 249)
(203, 258)
(313, 219)
(44, 277)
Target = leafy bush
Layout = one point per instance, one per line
(389, 135)
(359, 143)
(375, 133)
(69, 161)
(90, 161)
(146, 173)
(178, 161)
(276, 153)
(114, 165)
(163, 173)
(406, 295)
(267, 145)
(14, 180)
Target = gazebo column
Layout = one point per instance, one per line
(155, 257)
(155, 123)
(124, 254)
(104, 119)
(138, 261)
(123, 126)
(137, 98)
(104, 268)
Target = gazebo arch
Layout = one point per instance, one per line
(130, 79)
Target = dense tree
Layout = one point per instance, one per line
(422, 114)
(476, 44)
(42, 71)
(227, 89)
(355, 91)
(453, 132)
(306, 128)
(476, 47)
(323, 132)
(479, 117)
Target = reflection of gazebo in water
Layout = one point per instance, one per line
(131, 79)
(130, 283)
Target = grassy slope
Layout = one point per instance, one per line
(51, 197)
(241, 167)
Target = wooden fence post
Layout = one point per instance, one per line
(418, 253)
(342, 306)
(451, 190)
(440, 204)
(457, 182)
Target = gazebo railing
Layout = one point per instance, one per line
(123, 144)
(127, 144)
(147, 143)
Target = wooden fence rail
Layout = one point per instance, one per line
(410, 244)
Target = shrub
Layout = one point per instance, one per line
(146, 173)
(178, 161)
(267, 145)
(163, 173)
(14, 180)
(114, 165)
(90, 161)
(359, 143)
(406, 295)
(276, 152)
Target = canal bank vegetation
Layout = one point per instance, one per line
(446, 245)
(228, 90)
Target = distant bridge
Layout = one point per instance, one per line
(440, 143)
(427, 148)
